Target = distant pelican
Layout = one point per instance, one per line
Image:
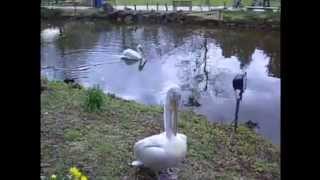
(130, 54)
(48, 35)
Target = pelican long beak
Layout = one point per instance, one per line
(175, 117)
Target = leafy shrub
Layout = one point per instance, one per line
(94, 99)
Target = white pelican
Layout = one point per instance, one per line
(48, 35)
(130, 54)
(167, 149)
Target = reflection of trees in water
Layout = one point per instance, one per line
(77, 35)
(176, 35)
(239, 44)
(274, 65)
(243, 44)
(198, 78)
(270, 44)
(127, 38)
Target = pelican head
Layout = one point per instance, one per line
(173, 98)
(139, 48)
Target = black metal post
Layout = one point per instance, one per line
(135, 7)
(157, 6)
(147, 7)
(166, 6)
(236, 115)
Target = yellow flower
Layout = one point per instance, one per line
(72, 170)
(83, 178)
(75, 172)
(53, 177)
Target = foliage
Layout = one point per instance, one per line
(94, 100)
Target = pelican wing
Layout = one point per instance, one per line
(154, 157)
(152, 141)
(131, 54)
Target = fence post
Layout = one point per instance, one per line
(166, 6)
(157, 6)
(147, 7)
(135, 7)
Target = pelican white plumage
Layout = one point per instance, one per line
(48, 35)
(167, 149)
(130, 54)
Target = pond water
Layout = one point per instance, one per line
(90, 52)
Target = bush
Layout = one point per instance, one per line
(94, 99)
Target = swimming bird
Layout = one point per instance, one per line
(167, 149)
(130, 54)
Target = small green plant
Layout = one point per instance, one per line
(94, 99)
(72, 135)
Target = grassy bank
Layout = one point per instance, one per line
(101, 143)
(252, 17)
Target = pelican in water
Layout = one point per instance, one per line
(130, 54)
(165, 150)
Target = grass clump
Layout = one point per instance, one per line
(94, 99)
(72, 135)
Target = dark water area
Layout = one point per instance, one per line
(90, 52)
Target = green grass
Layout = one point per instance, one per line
(101, 143)
(251, 16)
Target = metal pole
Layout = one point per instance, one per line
(236, 116)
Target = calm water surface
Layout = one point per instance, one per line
(90, 52)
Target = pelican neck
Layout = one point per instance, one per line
(170, 121)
